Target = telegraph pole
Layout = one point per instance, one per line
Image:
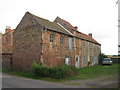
(118, 2)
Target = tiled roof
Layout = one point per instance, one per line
(55, 27)
(87, 37)
(82, 35)
(50, 25)
(67, 23)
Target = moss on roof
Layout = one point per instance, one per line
(50, 25)
(55, 27)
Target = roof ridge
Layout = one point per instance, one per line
(66, 22)
(89, 38)
(38, 17)
(52, 25)
(69, 24)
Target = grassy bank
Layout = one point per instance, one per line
(97, 71)
(84, 73)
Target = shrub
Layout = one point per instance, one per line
(58, 72)
(101, 56)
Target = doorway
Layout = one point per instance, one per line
(77, 61)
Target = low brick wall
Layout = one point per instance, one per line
(7, 61)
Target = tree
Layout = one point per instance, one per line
(101, 56)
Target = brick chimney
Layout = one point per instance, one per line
(8, 29)
(76, 27)
(90, 34)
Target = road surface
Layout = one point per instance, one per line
(11, 81)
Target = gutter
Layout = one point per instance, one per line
(50, 29)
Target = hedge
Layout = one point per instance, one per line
(57, 72)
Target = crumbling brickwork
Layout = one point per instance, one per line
(53, 43)
(7, 61)
(7, 41)
(7, 48)
(54, 53)
(27, 44)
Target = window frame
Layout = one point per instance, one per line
(61, 40)
(67, 62)
(70, 42)
(84, 60)
(52, 38)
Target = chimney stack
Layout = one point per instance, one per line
(8, 29)
(90, 34)
(76, 27)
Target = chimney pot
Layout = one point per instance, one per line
(76, 27)
(8, 28)
(90, 34)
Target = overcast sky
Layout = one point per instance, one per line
(99, 17)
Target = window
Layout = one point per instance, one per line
(52, 38)
(67, 60)
(11, 61)
(61, 40)
(95, 60)
(70, 43)
(91, 46)
(84, 44)
(91, 59)
(84, 60)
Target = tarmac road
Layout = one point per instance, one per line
(11, 81)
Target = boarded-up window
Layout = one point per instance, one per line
(52, 38)
(95, 60)
(70, 43)
(91, 45)
(91, 59)
(67, 60)
(84, 60)
(84, 44)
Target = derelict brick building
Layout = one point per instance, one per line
(54, 43)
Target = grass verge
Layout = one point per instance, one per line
(84, 73)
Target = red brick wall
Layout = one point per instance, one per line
(7, 61)
(7, 48)
(27, 44)
(54, 54)
(7, 42)
(85, 52)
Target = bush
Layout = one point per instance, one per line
(58, 72)
(101, 56)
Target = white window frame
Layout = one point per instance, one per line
(67, 60)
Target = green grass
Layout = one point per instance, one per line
(24, 74)
(29, 75)
(97, 71)
(84, 73)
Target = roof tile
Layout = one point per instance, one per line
(56, 27)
